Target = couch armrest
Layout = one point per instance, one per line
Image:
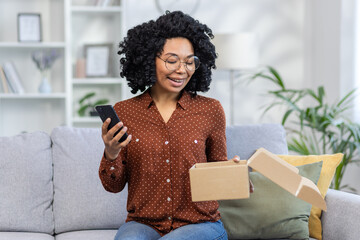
(342, 219)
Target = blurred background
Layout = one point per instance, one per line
(58, 58)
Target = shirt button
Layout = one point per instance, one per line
(137, 140)
(168, 180)
(169, 199)
(167, 160)
(169, 218)
(166, 142)
(195, 141)
(112, 168)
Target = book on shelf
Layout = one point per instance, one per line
(13, 78)
(4, 85)
(80, 67)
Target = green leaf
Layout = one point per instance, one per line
(288, 102)
(270, 106)
(321, 93)
(87, 96)
(312, 93)
(101, 102)
(298, 146)
(257, 75)
(82, 110)
(277, 76)
(287, 114)
(346, 97)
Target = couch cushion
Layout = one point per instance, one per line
(330, 163)
(26, 188)
(243, 140)
(80, 201)
(270, 212)
(25, 236)
(88, 235)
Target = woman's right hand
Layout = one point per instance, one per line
(112, 145)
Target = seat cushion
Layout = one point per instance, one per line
(26, 187)
(88, 235)
(80, 201)
(25, 236)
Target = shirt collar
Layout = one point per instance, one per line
(183, 102)
(146, 99)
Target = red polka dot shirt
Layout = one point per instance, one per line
(156, 162)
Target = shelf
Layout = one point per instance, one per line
(32, 45)
(95, 119)
(32, 96)
(95, 81)
(95, 9)
(67, 26)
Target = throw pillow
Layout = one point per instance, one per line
(330, 162)
(270, 212)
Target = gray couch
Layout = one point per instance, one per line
(49, 185)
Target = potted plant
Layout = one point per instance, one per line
(87, 105)
(318, 128)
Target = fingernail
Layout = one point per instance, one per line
(130, 137)
(108, 120)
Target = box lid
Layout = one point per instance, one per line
(286, 176)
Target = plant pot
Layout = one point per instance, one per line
(94, 113)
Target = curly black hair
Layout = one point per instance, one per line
(145, 41)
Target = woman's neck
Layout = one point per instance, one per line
(164, 98)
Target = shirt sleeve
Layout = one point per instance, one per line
(216, 142)
(113, 173)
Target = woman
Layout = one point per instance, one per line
(170, 129)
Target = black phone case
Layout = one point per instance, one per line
(107, 111)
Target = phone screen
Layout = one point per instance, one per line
(107, 111)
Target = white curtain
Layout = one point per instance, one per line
(357, 62)
(350, 52)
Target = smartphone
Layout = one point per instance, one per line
(107, 111)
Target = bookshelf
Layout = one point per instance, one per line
(30, 96)
(89, 25)
(67, 25)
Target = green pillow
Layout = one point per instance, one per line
(271, 211)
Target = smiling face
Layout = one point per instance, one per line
(173, 81)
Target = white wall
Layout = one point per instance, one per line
(329, 56)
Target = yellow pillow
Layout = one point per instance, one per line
(330, 162)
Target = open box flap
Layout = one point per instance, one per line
(286, 176)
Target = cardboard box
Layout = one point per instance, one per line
(219, 180)
(229, 180)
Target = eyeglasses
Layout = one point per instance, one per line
(173, 62)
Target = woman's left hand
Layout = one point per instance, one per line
(236, 159)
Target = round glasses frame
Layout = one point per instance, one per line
(172, 66)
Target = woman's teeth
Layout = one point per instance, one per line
(175, 80)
